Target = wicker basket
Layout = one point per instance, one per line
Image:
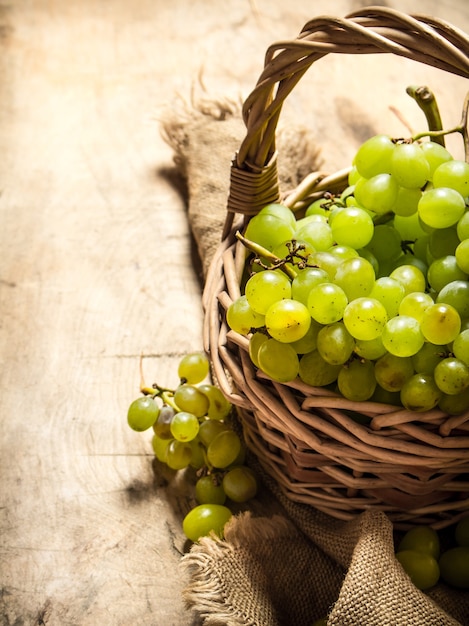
(413, 466)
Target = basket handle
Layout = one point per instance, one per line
(254, 177)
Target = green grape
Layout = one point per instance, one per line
(427, 358)
(409, 167)
(443, 241)
(443, 271)
(402, 336)
(422, 568)
(316, 233)
(189, 398)
(281, 211)
(240, 484)
(385, 243)
(242, 318)
(414, 304)
(420, 393)
(455, 405)
(309, 341)
(462, 227)
(142, 413)
(454, 567)
(198, 454)
(409, 227)
(205, 519)
(219, 407)
(377, 194)
(265, 288)
(460, 347)
(223, 449)
(326, 303)
(422, 539)
(326, 261)
(441, 207)
(162, 426)
(461, 532)
(374, 156)
(407, 201)
(356, 277)
(390, 293)
(440, 324)
(456, 293)
(452, 376)
(462, 256)
(343, 252)
(392, 372)
(305, 280)
(160, 447)
(193, 368)
(178, 454)
(209, 429)
(269, 231)
(278, 360)
(420, 248)
(411, 277)
(335, 344)
(356, 380)
(370, 257)
(410, 259)
(365, 318)
(386, 397)
(435, 154)
(287, 320)
(255, 342)
(317, 372)
(454, 174)
(352, 227)
(318, 207)
(370, 348)
(209, 490)
(184, 426)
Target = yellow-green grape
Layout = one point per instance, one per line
(370, 348)
(162, 426)
(462, 227)
(440, 324)
(455, 404)
(305, 280)
(160, 447)
(198, 453)
(205, 519)
(281, 211)
(390, 293)
(344, 252)
(365, 318)
(209, 429)
(255, 342)
(456, 294)
(184, 426)
(410, 276)
(352, 226)
(278, 360)
(414, 304)
(454, 567)
(242, 318)
(443, 271)
(374, 156)
(193, 367)
(406, 202)
(443, 241)
(178, 454)
(287, 320)
(421, 538)
(441, 207)
(219, 407)
(392, 372)
(461, 532)
(462, 255)
(451, 376)
(240, 484)
(420, 393)
(385, 244)
(356, 380)
(402, 336)
(265, 288)
(269, 231)
(377, 194)
(356, 277)
(460, 346)
(326, 261)
(315, 232)
(435, 154)
(142, 413)
(326, 303)
(427, 358)
(421, 567)
(317, 372)
(191, 400)
(209, 490)
(223, 449)
(335, 344)
(409, 167)
(454, 174)
(309, 341)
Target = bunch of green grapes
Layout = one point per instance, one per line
(192, 429)
(426, 562)
(367, 293)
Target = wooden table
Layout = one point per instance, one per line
(97, 267)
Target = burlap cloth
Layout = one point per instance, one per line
(283, 563)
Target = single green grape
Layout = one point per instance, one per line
(435, 154)
(334, 343)
(198, 454)
(409, 227)
(452, 376)
(205, 519)
(409, 167)
(441, 207)
(462, 227)
(353, 227)
(392, 372)
(209, 429)
(370, 348)
(462, 256)
(427, 358)
(305, 280)
(184, 426)
(440, 323)
(326, 303)
(287, 320)
(209, 490)
(402, 336)
(193, 367)
(316, 233)
(190, 399)
(278, 360)
(356, 277)
(160, 447)
(162, 426)
(389, 292)
(142, 413)
(443, 271)
(309, 341)
(407, 201)
(413, 304)
(219, 407)
(269, 231)
(456, 293)
(454, 404)
(265, 288)
(374, 156)
(356, 380)
(460, 347)
(365, 318)
(453, 174)
(315, 371)
(420, 393)
(223, 449)
(242, 318)
(281, 211)
(325, 260)
(422, 539)
(422, 568)
(343, 252)
(443, 241)
(411, 277)
(377, 194)
(240, 484)
(178, 454)
(255, 342)
(454, 567)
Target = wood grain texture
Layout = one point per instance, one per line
(96, 267)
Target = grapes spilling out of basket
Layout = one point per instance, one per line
(192, 428)
(367, 293)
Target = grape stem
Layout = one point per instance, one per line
(426, 100)
(276, 262)
(156, 391)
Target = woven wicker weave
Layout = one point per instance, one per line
(414, 466)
